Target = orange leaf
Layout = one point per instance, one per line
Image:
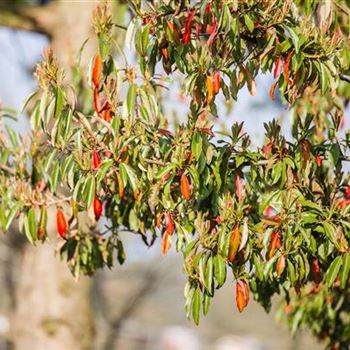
(239, 188)
(305, 149)
(41, 232)
(185, 187)
(216, 82)
(96, 70)
(286, 66)
(281, 265)
(275, 243)
(165, 53)
(166, 242)
(159, 220)
(240, 298)
(209, 84)
(120, 186)
(246, 291)
(272, 90)
(235, 241)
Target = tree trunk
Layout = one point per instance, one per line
(53, 311)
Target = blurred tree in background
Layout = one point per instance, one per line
(102, 158)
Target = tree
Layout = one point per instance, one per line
(276, 217)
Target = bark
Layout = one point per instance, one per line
(52, 310)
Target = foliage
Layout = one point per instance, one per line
(275, 218)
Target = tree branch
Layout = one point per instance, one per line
(345, 78)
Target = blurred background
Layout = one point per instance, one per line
(139, 305)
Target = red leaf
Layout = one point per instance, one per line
(318, 160)
(316, 271)
(96, 160)
(169, 224)
(347, 192)
(97, 208)
(61, 223)
(212, 32)
(278, 67)
(185, 187)
(186, 38)
(96, 70)
(165, 132)
(166, 243)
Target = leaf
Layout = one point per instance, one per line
(131, 98)
(208, 276)
(206, 303)
(219, 270)
(89, 191)
(30, 225)
(166, 242)
(196, 305)
(127, 173)
(245, 232)
(249, 22)
(331, 233)
(344, 272)
(333, 271)
(295, 38)
(197, 145)
(235, 241)
(185, 187)
(96, 71)
(58, 102)
(11, 215)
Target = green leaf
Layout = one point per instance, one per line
(295, 38)
(208, 278)
(219, 270)
(197, 145)
(128, 175)
(54, 176)
(291, 271)
(59, 102)
(249, 22)
(89, 191)
(30, 225)
(333, 271)
(131, 98)
(11, 215)
(196, 305)
(206, 303)
(344, 272)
